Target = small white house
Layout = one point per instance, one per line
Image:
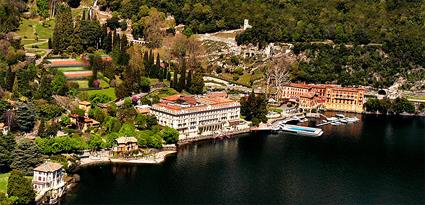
(49, 177)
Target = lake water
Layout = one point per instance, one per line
(379, 160)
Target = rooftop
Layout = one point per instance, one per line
(125, 140)
(48, 167)
(181, 103)
(323, 86)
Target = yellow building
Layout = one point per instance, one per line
(344, 99)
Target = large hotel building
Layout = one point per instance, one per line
(331, 97)
(193, 116)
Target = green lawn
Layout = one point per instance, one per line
(416, 97)
(44, 45)
(69, 69)
(3, 182)
(26, 30)
(85, 83)
(163, 92)
(28, 41)
(109, 92)
(45, 32)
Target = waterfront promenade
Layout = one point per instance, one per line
(101, 158)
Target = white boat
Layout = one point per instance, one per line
(352, 119)
(331, 119)
(343, 120)
(324, 121)
(335, 123)
(340, 115)
(301, 130)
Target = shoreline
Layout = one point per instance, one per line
(158, 158)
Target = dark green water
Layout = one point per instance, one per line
(379, 160)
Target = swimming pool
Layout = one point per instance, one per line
(301, 129)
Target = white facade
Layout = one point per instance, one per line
(197, 120)
(49, 177)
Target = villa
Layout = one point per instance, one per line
(328, 96)
(84, 105)
(125, 144)
(48, 180)
(194, 116)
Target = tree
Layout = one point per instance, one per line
(140, 121)
(401, 105)
(26, 156)
(197, 84)
(64, 28)
(25, 117)
(151, 64)
(20, 187)
(258, 114)
(50, 43)
(175, 79)
(90, 34)
(144, 84)
(7, 145)
(48, 111)
(74, 3)
(10, 15)
(189, 79)
(123, 57)
(95, 142)
(170, 135)
(58, 85)
(112, 124)
(159, 71)
(153, 24)
(4, 106)
(113, 23)
(151, 121)
(182, 80)
(136, 60)
(127, 130)
(107, 42)
(278, 73)
(43, 8)
(97, 114)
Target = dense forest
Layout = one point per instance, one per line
(393, 28)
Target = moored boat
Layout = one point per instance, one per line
(301, 130)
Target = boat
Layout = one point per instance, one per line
(340, 115)
(352, 119)
(336, 123)
(324, 121)
(330, 119)
(301, 130)
(343, 121)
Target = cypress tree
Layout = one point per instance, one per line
(168, 75)
(124, 57)
(116, 49)
(116, 40)
(189, 79)
(49, 43)
(151, 58)
(182, 81)
(146, 63)
(107, 42)
(158, 69)
(197, 84)
(175, 80)
(64, 28)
